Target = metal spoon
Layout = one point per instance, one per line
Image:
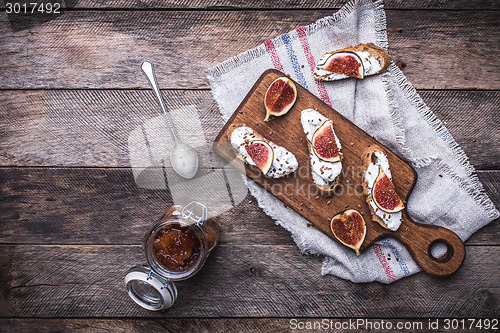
(183, 158)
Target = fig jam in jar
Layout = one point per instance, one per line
(176, 248)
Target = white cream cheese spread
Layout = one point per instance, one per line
(284, 162)
(323, 172)
(391, 220)
(370, 64)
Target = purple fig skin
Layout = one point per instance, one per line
(324, 143)
(262, 155)
(280, 97)
(349, 69)
(349, 228)
(384, 194)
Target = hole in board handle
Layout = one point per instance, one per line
(434, 249)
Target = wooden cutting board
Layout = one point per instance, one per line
(297, 190)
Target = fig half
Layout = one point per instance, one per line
(349, 228)
(280, 97)
(324, 143)
(344, 62)
(384, 194)
(262, 155)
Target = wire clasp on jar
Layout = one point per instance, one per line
(195, 212)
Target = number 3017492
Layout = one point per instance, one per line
(32, 8)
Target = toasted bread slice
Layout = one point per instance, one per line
(284, 162)
(392, 220)
(312, 119)
(376, 62)
(367, 159)
(329, 189)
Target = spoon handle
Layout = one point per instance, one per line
(147, 68)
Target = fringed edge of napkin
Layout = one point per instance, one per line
(473, 186)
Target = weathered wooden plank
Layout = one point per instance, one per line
(103, 49)
(414, 52)
(105, 206)
(229, 325)
(469, 117)
(101, 127)
(95, 127)
(252, 4)
(249, 281)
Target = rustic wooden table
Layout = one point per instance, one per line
(72, 220)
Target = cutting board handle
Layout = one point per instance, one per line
(419, 239)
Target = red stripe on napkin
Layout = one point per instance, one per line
(381, 257)
(274, 55)
(312, 64)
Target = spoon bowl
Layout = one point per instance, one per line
(184, 160)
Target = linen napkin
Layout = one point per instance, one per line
(387, 107)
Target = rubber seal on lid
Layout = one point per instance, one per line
(150, 290)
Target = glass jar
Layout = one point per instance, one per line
(176, 248)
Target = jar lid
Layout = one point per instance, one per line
(150, 290)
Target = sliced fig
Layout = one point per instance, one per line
(384, 194)
(324, 143)
(349, 228)
(344, 62)
(261, 154)
(280, 97)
